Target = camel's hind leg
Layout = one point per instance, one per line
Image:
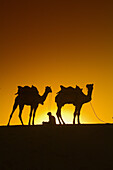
(14, 108)
(58, 115)
(20, 113)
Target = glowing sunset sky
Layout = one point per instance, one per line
(57, 42)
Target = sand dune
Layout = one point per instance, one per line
(79, 147)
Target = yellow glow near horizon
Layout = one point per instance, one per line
(67, 113)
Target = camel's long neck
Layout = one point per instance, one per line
(43, 97)
(88, 96)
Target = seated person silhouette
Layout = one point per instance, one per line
(52, 120)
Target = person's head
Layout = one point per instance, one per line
(49, 113)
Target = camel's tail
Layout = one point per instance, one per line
(14, 107)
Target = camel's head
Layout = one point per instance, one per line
(90, 86)
(48, 89)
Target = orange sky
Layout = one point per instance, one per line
(53, 43)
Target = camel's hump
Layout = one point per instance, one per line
(66, 88)
(27, 90)
(78, 88)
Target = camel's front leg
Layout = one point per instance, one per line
(20, 113)
(30, 115)
(75, 113)
(34, 115)
(14, 108)
(59, 116)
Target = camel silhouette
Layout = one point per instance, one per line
(73, 96)
(29, 96)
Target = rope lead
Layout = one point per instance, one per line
(96, 114)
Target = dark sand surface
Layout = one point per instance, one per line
(79, 147)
